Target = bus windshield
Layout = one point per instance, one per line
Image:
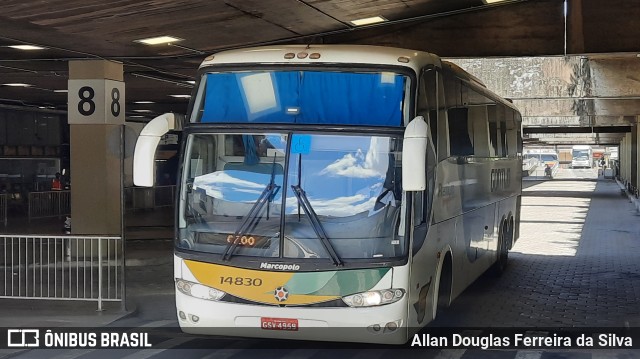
(548, 158)
(304, 97)
(336, 193)
(581, 154)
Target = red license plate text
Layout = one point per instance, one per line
(279, 324)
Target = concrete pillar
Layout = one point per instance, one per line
(627, 157)
(621, 158)
(622, 154)
(634, 155)
(636, 152)
(96, 118)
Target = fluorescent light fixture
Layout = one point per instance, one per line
(191, 82)
(61, 91)
(368, 21)
(17, 84)
(158, 40)
(26, 47)
(492, 1)
(181, 96)
(143, 102)
(141, 110)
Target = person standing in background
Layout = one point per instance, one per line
(56, 183)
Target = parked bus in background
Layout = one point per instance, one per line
(342, 193)
(544, 157)
(581, 156)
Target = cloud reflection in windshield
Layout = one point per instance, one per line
(219, 183)
(373, 164)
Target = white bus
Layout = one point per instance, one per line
(581, 156)
(341, 193)
(542, 158)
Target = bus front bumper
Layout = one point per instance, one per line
(382, 324)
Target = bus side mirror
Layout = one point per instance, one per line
(144, 154)
(414, 152)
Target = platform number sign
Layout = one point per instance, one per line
(96, 101)
(115, 104)
(86, 106)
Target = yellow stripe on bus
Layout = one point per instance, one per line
(249, 284)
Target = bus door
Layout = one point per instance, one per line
(422, 263)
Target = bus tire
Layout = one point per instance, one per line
(504, 242)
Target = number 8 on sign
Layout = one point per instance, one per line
(115, 105)
(86, 95)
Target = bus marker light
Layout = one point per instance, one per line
(376, 327)
(289, 55)
(182, 315)
(194, 318)
(391, 326)
(302, 55)
(403, 59)
(314, 56)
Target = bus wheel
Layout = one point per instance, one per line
(503, 249)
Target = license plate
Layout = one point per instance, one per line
(279, 323)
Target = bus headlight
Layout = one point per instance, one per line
(197, 290)
(374, 298)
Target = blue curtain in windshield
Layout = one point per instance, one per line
(305, 97)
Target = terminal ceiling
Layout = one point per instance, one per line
(97, 29)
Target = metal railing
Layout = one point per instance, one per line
(3, 209)
(137, 198)
(49, 204)
(87, 268)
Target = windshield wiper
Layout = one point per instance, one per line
(252, 219)
(315, 224)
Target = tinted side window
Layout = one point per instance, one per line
(460, 143)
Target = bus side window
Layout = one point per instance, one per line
(500, 131)
(460, 143)
(430, 97)
(433, 126)
(503, 139)
(431, 105)
(493, 131)
(513, 144)
(432, 162)
(478, 111)
(428, 101)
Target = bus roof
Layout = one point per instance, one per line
(461, 73)
(333, 54)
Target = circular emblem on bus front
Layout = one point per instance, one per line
(281, 294)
